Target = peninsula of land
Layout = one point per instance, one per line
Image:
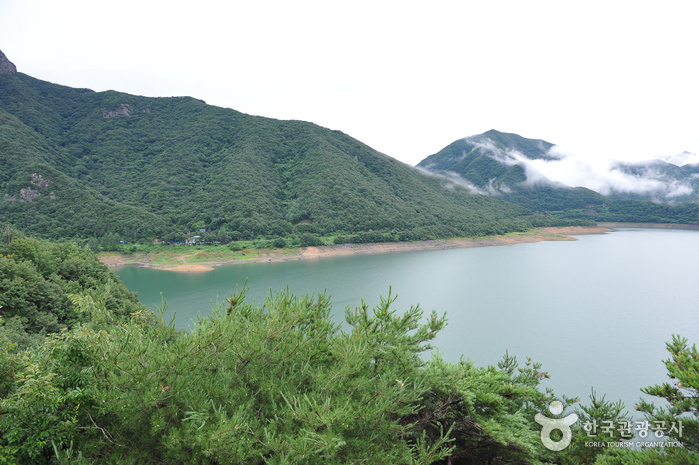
(206, 258)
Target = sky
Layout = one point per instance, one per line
(601, 79)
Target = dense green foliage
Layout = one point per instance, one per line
(37, 278)
(277, 383)
(273, 383)
(77, 163)
(58, 206)
(682, 395)
(639, 211)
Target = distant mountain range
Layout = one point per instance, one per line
(79, 163)
(498, 163)
(529, 172)
(659, 180)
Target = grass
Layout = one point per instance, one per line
(173, 255)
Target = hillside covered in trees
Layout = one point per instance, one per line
(78, 163)
(505, 165)
(38, 278)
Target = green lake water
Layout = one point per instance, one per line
(595, 312)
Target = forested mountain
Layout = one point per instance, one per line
(505, 166)
(493, 162)
(82, 163)
(670, 181)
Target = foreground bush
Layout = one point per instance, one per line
(272, 384)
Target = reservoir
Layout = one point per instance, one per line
(595, 312)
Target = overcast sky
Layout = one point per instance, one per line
(600, 79)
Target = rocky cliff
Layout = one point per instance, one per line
(6, 66)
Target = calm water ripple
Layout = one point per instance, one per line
(596, 312)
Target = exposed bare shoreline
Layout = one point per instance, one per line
(648, 225)
(308, 253)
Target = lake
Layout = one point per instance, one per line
(595, 312)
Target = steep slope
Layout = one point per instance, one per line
(482, 159)
(663, 181)
(147, 166)
(39, 198)
(505, 166)
(493, 163)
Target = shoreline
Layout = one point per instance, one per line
(618, 224)
(185, 264)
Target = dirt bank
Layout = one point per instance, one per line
(649, 225)
(182, 263)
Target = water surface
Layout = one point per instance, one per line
(595, 312)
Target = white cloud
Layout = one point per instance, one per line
(453, 179)
(570, 169)
(681, 159)
(601, 175)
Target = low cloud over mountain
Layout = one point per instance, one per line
(498, 162)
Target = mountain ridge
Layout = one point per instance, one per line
(508, 157)
(509, 167)
(176, 164)
(6, 66)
